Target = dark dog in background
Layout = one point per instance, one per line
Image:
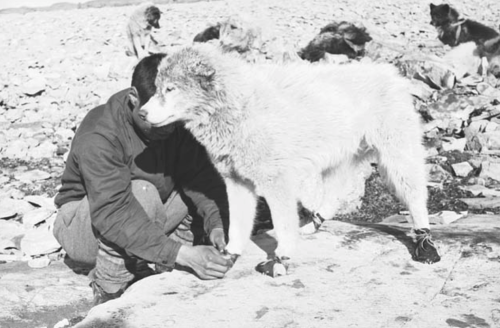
(210, 33)
(337, 38)
(453, 30)
(141, 22)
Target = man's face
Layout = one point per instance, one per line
(148, 131)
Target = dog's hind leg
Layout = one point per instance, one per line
(401, 162)
(242, 210)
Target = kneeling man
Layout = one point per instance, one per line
(133, 194)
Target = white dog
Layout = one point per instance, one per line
(284, 131)
(139, 28)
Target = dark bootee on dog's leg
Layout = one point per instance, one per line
(425, 250)
(275, 267)
(281, 196)
(410, 185)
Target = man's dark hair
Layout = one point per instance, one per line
(144, 76)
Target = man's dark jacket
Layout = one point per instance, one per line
(107, 154)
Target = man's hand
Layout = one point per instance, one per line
(206, 261)
(218, 239)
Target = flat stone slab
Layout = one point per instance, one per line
(345, 275)
(39, 298)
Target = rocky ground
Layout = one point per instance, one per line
(56, 65)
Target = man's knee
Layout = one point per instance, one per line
(73, 230)
(148, 196)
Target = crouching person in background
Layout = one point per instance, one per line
(133, 194)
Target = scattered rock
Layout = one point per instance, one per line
(45, 150)
(6, 245)
(39, 241)
(41, 201)
(454, 144)
(421, 90)
(436, 173)
(446, 217)
(62, 324)
(32, 176)
(33, 218)
(35, 86)
(10, 229)
(16, 205)
(7, 213)
(491, 170)
(39, 262)
(480, 190)
(13, 115)
(64, 134)
(462, 169)
(482, 203)
(16, 149)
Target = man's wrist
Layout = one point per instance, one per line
(217, 228)
(168, 255)
(182, 255)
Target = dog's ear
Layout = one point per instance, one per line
(205, 74)
(446, 8)
(432, 6)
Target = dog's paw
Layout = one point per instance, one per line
(425, 251)
(229, 256)
(274, 268)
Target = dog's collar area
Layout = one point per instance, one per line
(459, 22)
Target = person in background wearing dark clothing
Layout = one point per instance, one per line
(132, 195)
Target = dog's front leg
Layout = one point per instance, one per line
(282, 202)
(138, 47)
(147, 43)
(242, 210)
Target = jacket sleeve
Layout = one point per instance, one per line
(115, 212)
(201, 182)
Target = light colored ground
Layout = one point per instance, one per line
(5, 4)
(343, 276)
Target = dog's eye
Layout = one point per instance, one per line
(169, 87)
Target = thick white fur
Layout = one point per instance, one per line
(284, 131)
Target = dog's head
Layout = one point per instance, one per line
(356, 37)
(185, 82)
(442, 14)
(153, 15)
(239, 34)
